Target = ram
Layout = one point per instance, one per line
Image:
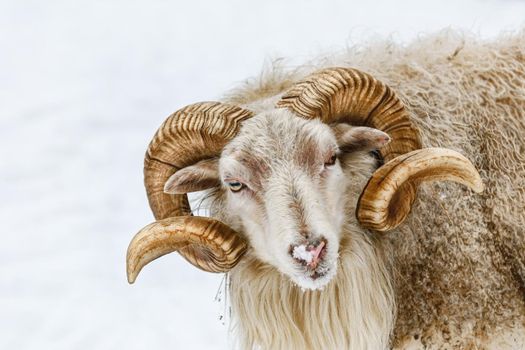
(327, 205)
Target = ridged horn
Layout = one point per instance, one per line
(222, 244)
(346, 95)
(388, 196)
(196, 132)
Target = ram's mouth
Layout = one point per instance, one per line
(318, 274)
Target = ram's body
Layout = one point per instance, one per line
(293, 189)
(457, 263)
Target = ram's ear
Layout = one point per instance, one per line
(359, 138)
(197, 177)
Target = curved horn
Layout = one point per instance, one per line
(346, 95)
(195, 132)
(222, 246)
(388, 196)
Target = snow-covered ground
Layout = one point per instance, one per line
(83, 86)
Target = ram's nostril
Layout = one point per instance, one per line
(315, 242)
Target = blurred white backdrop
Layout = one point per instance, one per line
(83, 87)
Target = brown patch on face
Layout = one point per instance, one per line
(311, 155)
(298, 211)
(257, 166)
(308, 154)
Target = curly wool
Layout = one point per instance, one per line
(459, 259)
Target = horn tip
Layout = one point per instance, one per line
(131, 272)
(131, 277)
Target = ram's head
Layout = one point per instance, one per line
(281, 179)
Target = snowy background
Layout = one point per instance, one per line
(83, 87)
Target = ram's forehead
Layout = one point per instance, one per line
(280, 131)
(275, 137)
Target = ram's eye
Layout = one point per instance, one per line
(235, 186)
(331, 161)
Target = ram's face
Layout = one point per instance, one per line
(285, 184)
(285, 189)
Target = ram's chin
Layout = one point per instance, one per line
(316, 280)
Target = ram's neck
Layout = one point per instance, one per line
(355, 311)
